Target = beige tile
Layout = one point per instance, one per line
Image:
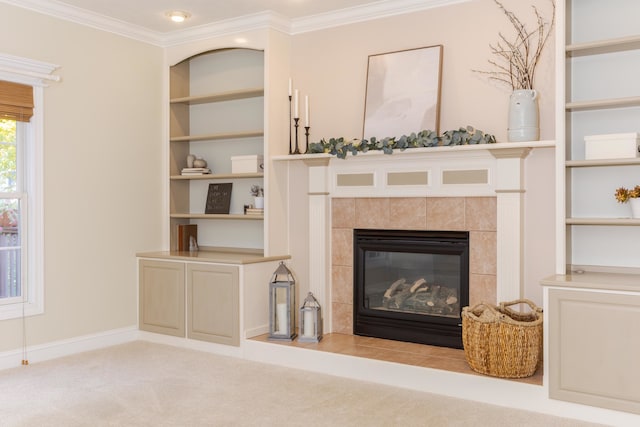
(372, 213)
(482, 288)
(342, 318)
(343, 213)
(483, 252)
(445, 213)
(407, 213)
(480, 213)
(342, 246)
(342, 284)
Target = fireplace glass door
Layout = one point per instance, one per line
(411, 285)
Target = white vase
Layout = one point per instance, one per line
(635, 207)
(258, 202)
(523, 116)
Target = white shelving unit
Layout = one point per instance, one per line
(601, 96)
(217, 111)
(595, 294)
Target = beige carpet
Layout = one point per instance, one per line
(147, 384)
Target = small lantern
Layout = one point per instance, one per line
(282, 307)
(310, 320)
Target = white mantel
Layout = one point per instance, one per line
(482, 170)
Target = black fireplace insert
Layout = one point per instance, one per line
(411, 285)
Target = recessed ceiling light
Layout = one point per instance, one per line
(178, 15)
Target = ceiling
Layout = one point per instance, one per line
(151, 14)
(147, 20)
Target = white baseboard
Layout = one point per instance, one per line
(55, 349)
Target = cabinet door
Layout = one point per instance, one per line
(161, 287)
(213, 303)
(593, 348)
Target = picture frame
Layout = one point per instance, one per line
(403, 92)
(218, 198)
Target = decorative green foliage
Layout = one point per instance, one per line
(426, 138)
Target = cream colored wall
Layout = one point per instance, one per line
(103, 168)
(331, 67)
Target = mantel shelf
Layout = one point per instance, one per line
(428, 150)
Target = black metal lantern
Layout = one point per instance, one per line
(310, 320)
(282, 307)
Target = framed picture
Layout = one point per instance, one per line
(218, 198)
(403, 92)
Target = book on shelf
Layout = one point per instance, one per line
(195, 171)
(254, 211)
(185, 233)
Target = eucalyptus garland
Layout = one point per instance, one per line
(427, 138)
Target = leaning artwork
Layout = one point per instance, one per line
(403, 92)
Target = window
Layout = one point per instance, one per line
(21, 181)
(10, 215)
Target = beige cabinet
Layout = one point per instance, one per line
(212, 300)
(162, 297)
(219, 297)
(593, 349)
(213, 303)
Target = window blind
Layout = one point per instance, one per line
(16, 101)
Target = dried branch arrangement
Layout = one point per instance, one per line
(517, 60)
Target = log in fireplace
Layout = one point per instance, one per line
(411, 285)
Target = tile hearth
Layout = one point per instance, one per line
(427, 356)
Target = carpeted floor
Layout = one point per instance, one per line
(147, 384)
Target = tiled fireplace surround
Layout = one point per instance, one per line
(475, 188)
(474, 214)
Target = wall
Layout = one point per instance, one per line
(103, 162)
(331, 67)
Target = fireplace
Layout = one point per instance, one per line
(410, 285)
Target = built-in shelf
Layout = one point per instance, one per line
(218, 176)
(219, 97)
(631, 101)
(217, 136)
(216, 216)
(603, 162)
(604, 46)
(603, 221)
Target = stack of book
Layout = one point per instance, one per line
(195, 171)
(254, 211)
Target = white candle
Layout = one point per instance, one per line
(289, 86)
(295, 106)
(306, 110)
(308, 323)
(281, 315)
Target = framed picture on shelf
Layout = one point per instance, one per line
(403, 92)
(218, 198)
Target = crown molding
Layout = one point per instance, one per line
(87, 18)
(257, 21)
(377, 10)
(267, 19)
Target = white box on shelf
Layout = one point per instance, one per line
(247, 164)
(611, 146)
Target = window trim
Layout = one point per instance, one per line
(36, 74)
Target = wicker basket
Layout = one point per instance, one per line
(502, 342)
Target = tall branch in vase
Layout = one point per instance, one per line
(517, 60)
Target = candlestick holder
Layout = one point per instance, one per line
(290, 146)
(295, 121)
(306, 134)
